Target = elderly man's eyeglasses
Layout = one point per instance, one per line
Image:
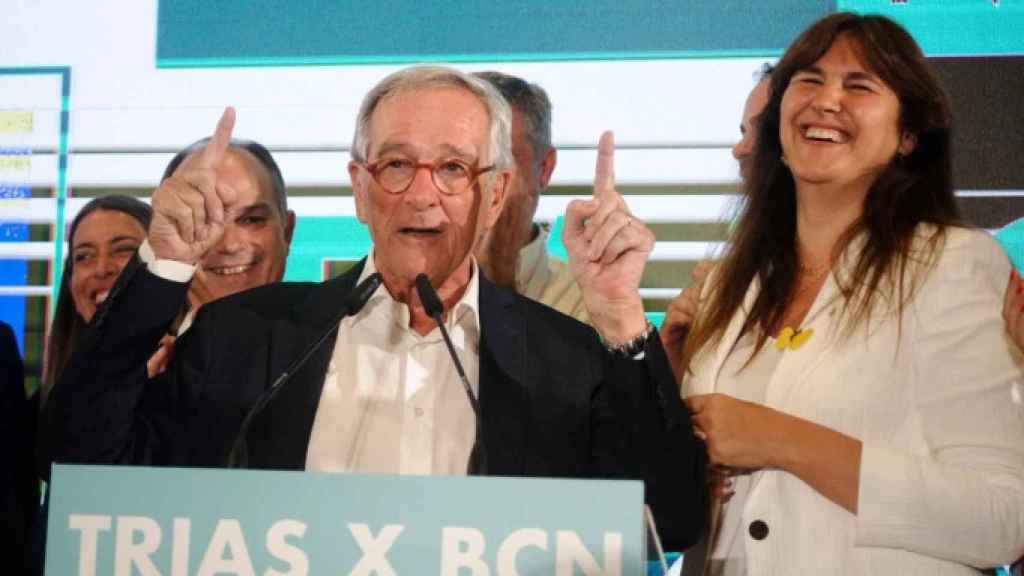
(451, 175)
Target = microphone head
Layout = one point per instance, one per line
(428, 296)
(359, 295)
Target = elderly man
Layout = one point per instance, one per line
(514, 253)
(430, 170)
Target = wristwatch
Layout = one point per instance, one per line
(633, 349)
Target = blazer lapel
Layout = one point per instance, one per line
(696, 560)
(820, 317)
(504, 392)
(282, 437)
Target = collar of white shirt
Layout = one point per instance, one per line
(391, 402)
(465, 311)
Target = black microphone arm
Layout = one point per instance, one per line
(354, 302)
(435, 309)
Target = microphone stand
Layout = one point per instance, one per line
(477, 465)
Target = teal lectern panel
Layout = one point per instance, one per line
(172, 521)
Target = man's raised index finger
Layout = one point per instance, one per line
(214, 151)
(604, 174)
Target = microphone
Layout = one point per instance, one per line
(435, 309)
(354, 302)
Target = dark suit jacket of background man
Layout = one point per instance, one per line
(554, 403)
(19, 490)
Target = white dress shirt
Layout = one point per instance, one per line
(169, 270)
(392, 402)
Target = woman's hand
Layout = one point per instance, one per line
(720, 478)
(679, 316)
(737, 433)
(743, 436)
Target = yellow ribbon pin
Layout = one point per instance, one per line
(792, 339)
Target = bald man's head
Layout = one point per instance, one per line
(743, 151)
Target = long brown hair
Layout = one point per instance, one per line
(912, 190)
(67, 322)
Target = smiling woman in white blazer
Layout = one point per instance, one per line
(848, 367)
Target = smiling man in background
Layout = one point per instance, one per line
(257, 230)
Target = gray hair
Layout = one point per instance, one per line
(425, 77)
(531, 101)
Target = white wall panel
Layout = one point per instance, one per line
(120, 100)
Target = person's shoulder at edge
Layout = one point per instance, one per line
(966, 251)
(8, 342)
(967, 268)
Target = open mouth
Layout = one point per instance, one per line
(421, 232)
(822, 134)
(99, 297)
(230, 270)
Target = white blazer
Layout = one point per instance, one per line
(937, 401)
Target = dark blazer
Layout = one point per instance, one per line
(19, 489)
(554, 403)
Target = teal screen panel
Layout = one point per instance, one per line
(1011, 238)
(319, 239)
(954, 27)
(555, 246)
(199, 33)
